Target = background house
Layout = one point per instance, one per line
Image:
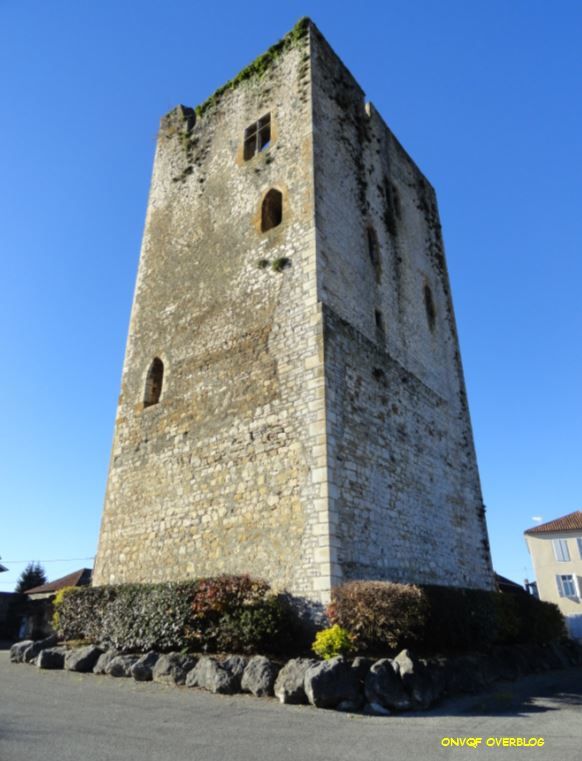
(36, 618)
(556, 552)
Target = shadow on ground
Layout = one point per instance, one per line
(537, 693)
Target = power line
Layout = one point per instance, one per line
(57, 560)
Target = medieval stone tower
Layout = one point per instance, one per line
(292, 400)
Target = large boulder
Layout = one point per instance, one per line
(375, 709)
(507, 665)
(173, 668)
(465, 674)
(30, 654)
(51, 658)
(121, 665)
(82, 659)
(416, 679)
(18, 649)
(289, 685)
(329, 683)
(259, 676)
(361, 666)
(210, 675)
(236, 665)
(142, 669)
(384, 687)
(103, 661)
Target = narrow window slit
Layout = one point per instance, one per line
(154, 381)
(374, 253)
(430, 308)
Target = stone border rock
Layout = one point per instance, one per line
(374, 687)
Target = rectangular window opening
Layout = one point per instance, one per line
(561, 551)
(566, 585)
(257, 137)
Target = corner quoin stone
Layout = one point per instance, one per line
(311, 424)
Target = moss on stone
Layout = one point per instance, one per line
(260, 66)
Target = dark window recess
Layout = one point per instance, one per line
(272, 210)
(429, 306)
(374, 253)
(392, 210)
(257, 137)
(380, 332)
(154, 380)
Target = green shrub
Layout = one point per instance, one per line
(333, 641)
(459, 619)
(233, 613)
(128, 616)
(380, 614)
(534, 620)
(144, 617)
(509, 623)
(436, 619)
(238, 613)
(81, 612)
(57, 604)
(262, 627)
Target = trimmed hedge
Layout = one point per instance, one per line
(80, 612)
(524, 618)
(460, 619)
(239, 614)
(233, 613)
(379, 614)
(436, 619)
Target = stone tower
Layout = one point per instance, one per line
(292, 400)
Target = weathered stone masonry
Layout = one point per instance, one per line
(312, 424)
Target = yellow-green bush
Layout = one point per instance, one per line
(333, 641)
(57, 605)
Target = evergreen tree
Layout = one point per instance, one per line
(32, 576)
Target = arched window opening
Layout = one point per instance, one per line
(272, 210)
(430, 308)
(153, 387)
(374, 252)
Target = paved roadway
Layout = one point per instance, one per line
(62, 716)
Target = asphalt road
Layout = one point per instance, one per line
(62, 716)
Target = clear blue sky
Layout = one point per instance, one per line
(485, 95)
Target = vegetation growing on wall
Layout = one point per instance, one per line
(260, 66)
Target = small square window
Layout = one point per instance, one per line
(257, 137)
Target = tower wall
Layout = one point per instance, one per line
(313, 424)
(223, 474)
(405, 499)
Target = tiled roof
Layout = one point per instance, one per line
(75, 579)
(570, 522)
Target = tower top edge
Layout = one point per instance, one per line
(296, 37)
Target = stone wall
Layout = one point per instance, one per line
(404, 494)
(222, 475)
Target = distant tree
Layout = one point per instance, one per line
(32, 576)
